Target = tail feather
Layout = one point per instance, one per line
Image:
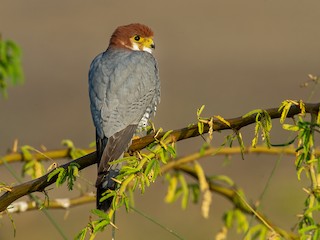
(106, 182)
(110, 149)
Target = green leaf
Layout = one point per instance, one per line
(127, 203)
(172, 187)
(256, 134)
(229, 140)
(166, 135)
(172, 151)
(307, 229)
(100, 214)
(14, 49)
(127, 170)
(146, 179)
(162, 155)
(108, 194)
(26, 152)
(228, 218)
(38, 169)
(241, 143)
(302, 107)
(53, 173)
(185, 191)
(258, 231)
(223, 178)
(242, 222)
(200, 123)
(82, 234)
(135, 184)
(100, 225)
(285, 107)
(153, 169)
(199, 111)
(142, 184)
(201, 177)
(253, 112)
(73, 151)
(130, 199)
(150, 166)
(290, 127)
(62, 177)
(221, 119)
(28, 168)
(312, 209)
(3, 52)
(200, 127)
(195, 192)
(266, 126)
(10, 65)
(92, 144)
(125, 159)
(75, 171)
(263, 125)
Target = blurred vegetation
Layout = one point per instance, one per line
(10, 65)
(159, 159)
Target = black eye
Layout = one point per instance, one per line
(137, 37)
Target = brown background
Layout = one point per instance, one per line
(232, 56)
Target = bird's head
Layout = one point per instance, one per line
(135, 36)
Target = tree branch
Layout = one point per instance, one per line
(227, 152)
(39, 184)
(46, 155)
(58, 203)
(231, 193)
(235, 124)
(66, 203)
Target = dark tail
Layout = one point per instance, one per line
(106, 172)
(110, 149)
(105, 182)
(105, 205)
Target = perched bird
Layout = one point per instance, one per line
(124, 89)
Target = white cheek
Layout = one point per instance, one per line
(135, 47)
(146, 49)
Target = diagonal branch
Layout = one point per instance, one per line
(235, 124)
(178, 164)
(231, 193)
(58, 203)
(39, 184)
(45, 155)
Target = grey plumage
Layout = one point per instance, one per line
(124, 89)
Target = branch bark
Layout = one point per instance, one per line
(39, 184)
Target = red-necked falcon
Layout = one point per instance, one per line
(124, 90)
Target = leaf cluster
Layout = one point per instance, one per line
(10, 65)
(62, 175)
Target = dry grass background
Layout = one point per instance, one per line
(233, 56)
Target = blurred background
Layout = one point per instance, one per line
(232, 56)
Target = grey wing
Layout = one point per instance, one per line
(98, 84)
(130, 87)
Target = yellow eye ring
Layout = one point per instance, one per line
(137, 38)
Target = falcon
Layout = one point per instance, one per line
(124, 90)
